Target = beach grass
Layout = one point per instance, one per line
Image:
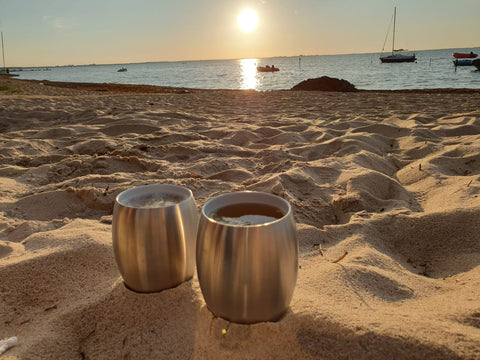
(10, 90)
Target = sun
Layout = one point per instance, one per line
(247, 20)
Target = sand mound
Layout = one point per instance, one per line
(325, 83)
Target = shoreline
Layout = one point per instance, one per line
(154, 89)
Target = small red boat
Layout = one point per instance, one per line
(469, 55)
(267, 68)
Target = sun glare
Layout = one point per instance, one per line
(248, 74)
(247, 20)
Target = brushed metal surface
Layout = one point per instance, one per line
(155, 247)
(247, 274)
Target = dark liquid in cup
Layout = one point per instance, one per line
(247, 214)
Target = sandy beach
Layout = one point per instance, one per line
(391, 179)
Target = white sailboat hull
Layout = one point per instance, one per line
(397, 58)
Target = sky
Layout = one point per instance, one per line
(77, 32)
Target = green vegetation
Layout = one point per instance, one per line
(9, 89)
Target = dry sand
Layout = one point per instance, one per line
(392, 178)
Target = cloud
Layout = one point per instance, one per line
(57, 23)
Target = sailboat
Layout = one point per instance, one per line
(5, 71)
(396, 57)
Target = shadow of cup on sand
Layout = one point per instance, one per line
(247, 256)
(332, 340)
(154, 231)
(121, 324)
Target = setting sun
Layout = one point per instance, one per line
(247, 20)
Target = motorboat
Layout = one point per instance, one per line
(267, 68)
(469, 55)
(462, 62)
(123, 69)
(7, 72)
(476, 63)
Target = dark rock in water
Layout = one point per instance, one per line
(325, 83)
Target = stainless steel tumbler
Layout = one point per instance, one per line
(247, 270)
(154, 231)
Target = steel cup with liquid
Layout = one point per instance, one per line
(154, 231)
(247, 256)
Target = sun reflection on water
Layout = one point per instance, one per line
(248, 74)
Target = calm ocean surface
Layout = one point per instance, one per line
(433, 69)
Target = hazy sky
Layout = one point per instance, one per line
(61, 32)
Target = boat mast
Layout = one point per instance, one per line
(3, 53)
(394, 20)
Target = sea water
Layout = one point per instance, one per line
(433, 69)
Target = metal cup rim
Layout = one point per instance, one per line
(250, 193)
(118, 198)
